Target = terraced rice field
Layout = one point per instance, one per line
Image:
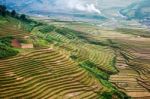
(12, 27)
(49, 71)
(126, 80)
(46, 74)
(11, 30)
(102, 56)
(60, 37)
(134, 75)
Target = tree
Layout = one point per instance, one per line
(23, 17)
(13, 13)
(8, 13)
(2, 10)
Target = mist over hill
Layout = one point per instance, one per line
(138, 10)
(67, 9)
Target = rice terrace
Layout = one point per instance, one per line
(83, 50)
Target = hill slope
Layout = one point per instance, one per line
(60, 64)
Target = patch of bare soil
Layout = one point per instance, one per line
(24, 46)
(15, 43)
(141, 95)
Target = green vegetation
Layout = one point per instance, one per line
(113, 95)
(3, 10)
(90, 66)
(40, 43)
(103, 78)
(13, 13)
(71, 34)
(47, 28)
(74, 57)
(136, 32)
(22, 20)
(42, 35)
(6, 49)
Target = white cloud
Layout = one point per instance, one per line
(92, 8)
(79, 5)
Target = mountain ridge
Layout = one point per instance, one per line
(138, 10)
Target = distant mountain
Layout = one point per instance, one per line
(69, 16)
(23, 5)
(52, 9)
(139, 10)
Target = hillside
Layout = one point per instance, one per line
(13, 28)
(72, 60)
(60, 63)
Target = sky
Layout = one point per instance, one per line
(91, 6)
(88, 6)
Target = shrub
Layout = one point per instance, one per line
(23, 17)
(92, 67)
(71, 34)
(114, 95)
(46, 29)
(6, 49)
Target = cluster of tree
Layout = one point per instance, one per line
(4, 12)
(69, 33)
(6, 50)
(47, 28)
